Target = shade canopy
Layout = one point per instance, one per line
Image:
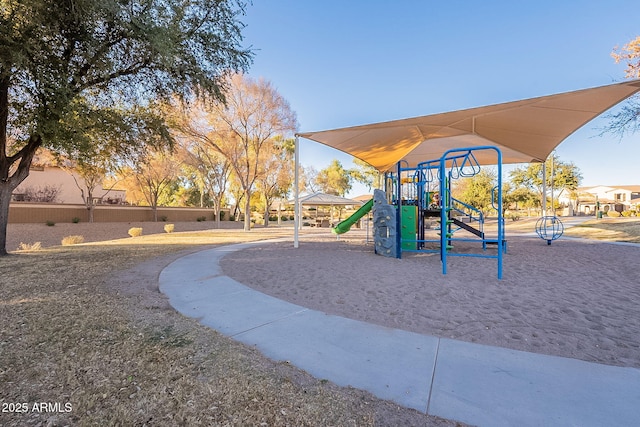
(323, 199)
(525, 131)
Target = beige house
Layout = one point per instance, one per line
(55, 185)
(601, 197)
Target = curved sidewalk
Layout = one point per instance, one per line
(472, 383)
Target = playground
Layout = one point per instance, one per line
(419, 199)
(421, 156)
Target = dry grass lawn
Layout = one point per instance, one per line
(85, 330)
(610, 229)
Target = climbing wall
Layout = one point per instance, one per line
(384, 225)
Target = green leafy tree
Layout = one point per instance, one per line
(118, 135)
(521, 198)
(476, 190)
(558, 173)
(334, 179)
(64, 61)
(365, 174)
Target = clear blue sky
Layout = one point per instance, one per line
(351, 62)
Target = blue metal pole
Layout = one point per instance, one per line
(500, 214)
(399, 212)
(443, 215)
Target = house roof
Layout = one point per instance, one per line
(525, 131)
(363, 198)
(631, 188)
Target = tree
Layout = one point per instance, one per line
(627, 118)
(334, 179)
(308, 179)
(253, 115)
(558, 173)
(476, 190)
(155, 172)
(521, 197)
(276, 174)
(64, 59)
(211, 170)
(92, 171)
(630, 54)
(237, 194)
(364, 173)
(109, 136)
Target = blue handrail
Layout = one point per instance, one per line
(480, 215)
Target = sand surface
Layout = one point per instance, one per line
(574, 298)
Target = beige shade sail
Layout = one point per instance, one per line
(525, 131)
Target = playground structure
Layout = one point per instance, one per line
(403, 213)
(549, 228)
(522, 131)
(414, 190)
(345, 225)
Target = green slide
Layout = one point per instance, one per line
(345, 225)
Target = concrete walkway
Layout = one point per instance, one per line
(475, 384)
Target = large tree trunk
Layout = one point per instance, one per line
(216, 214)
(90, 205)
(217, 207)
(8, 182)
(266, 216)
(247, 210)
(5, 200)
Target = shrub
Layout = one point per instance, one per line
(50, 223)
(626, 214)
(163, 218)
(75, 220)
(169, 228)
(222, 215)
(292, 217)
(201, 218)
(72, 240)
(613, 214)
(30, 247)
(135, 231)
(46, 194)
